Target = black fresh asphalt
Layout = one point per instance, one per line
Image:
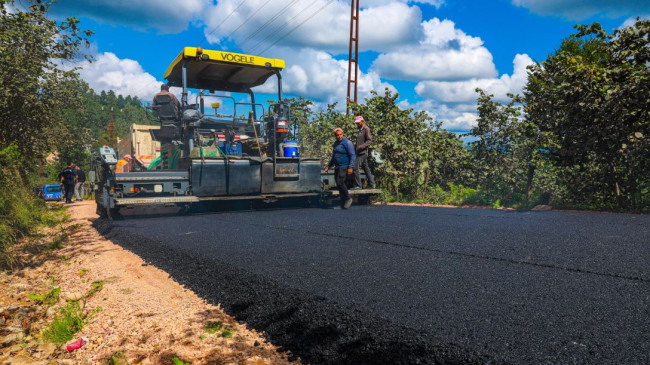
(416, 285)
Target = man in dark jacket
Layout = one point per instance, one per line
(343, 157)
(67, 179)
(364, 139)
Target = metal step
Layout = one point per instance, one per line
(195, 199)
(354, 192)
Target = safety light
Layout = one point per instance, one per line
(282, 126)
(199, 50)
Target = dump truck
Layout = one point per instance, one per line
(221, 145)
(140, 145)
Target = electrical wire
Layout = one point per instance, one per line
(297, 26)
(247, 19)
(222, 22)
(280, 28)
(258, 30)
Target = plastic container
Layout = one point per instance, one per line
(231, 149)
(290, 149)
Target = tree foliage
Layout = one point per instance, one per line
(592, 96)
(35, 87)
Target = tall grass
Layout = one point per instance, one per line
(460, 195)
(20, 211)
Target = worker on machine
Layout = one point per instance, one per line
(363, 141)
(166, 98)
(123, 164)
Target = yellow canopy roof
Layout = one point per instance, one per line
(219, 70)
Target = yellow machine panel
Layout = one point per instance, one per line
(220, 70)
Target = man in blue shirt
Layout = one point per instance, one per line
(343, 159)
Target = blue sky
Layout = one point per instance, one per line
(433, 52)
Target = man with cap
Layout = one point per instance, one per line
(364, 139)
(343, 159)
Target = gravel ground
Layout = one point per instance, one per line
(137, 313)
(408, 285)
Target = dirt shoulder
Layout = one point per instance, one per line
(136, 310)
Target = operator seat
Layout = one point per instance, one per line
(166, 109)
(170, 121)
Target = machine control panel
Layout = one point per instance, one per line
(108, 155)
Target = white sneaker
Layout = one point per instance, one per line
(347, 203)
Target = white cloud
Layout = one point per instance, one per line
(317, 75)
(444, 53)
(581, 9)
(370, 3)
(164, 15)
(454, 103)
(123, 76)
(464, 91)
(631, 20)
(458, 117)
(436, 3)
(253, 26)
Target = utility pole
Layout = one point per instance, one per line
(111, 130)
(353, 58)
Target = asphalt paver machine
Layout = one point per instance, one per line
(220, 145)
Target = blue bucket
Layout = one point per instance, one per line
(290, 148)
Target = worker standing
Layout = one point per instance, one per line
(343, 158)
(67, 179)
(364, 139)
(79, 185)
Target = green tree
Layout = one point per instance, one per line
(402, 139)
(34, 87)
(449, 160)
(318, 135)
(591, 95)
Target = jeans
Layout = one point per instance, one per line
(77, 188)
(362, 162)
(340, 174)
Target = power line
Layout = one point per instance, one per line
(297, 26)
(224, 20)
(247, 19)
(282, 11)
(200, 44)
(280, 28)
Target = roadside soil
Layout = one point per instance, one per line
(139, 313)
